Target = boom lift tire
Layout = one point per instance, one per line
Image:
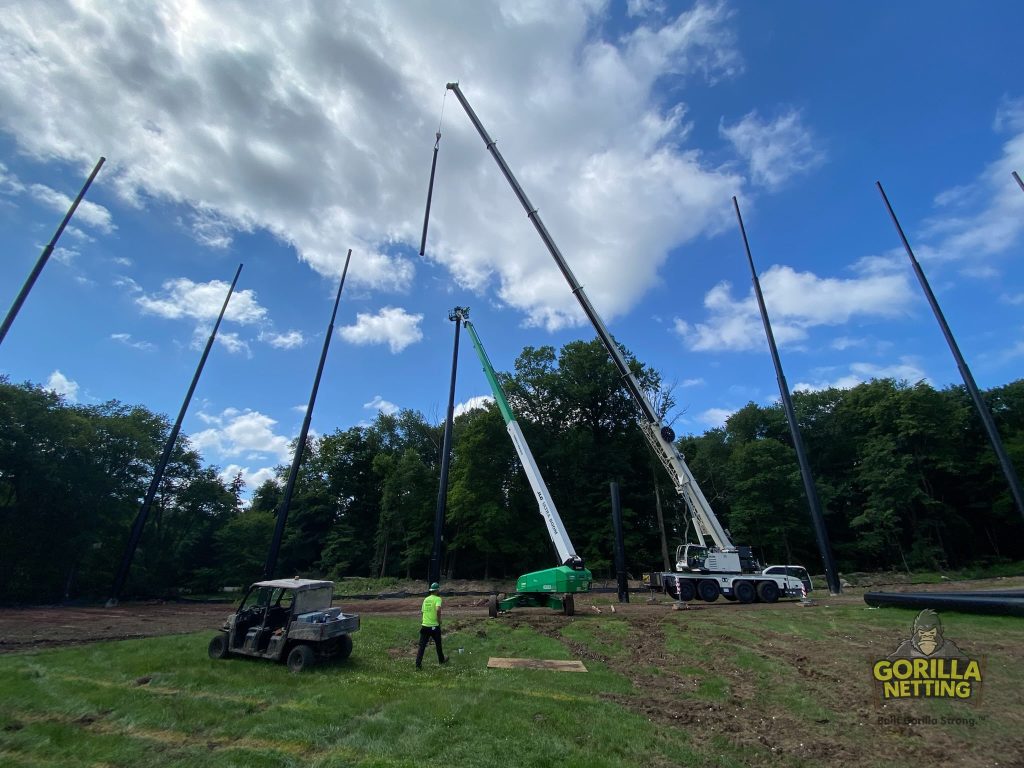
(744, 591)
(768, 591)
(568, 605)
(708, 590)
(492, 606)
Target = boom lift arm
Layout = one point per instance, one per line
(660, 437)
(551, 587)
(556, 530)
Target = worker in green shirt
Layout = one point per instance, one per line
(431, 626)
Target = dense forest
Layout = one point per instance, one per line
(905, 473)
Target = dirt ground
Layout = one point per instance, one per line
(774, 735)
(50, 626)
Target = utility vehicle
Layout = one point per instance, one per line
(289, 620)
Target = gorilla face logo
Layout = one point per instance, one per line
(927, 636)
(927, 640)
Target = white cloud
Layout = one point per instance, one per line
(232, 342)
(212, 230)
(62, 385)
(907, 369)
(126, 339)
(391, 325)
(314, 123)
(776, 150)
(691, 382)
(847, 342)
(64, 255)
(715, 417)
(984, 218)
(122, 281)
(183, 298)
(289, 340)
(644, 7)
(88, 212)
(480, 401)
(796, 302)
(380, 404)
(241, 432)
(253, 478)
(9, 183)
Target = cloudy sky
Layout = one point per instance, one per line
(281, 135)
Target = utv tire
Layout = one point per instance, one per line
(568, 605)
(344, 647)
(218, 647)
(492, 606)
(301, 657)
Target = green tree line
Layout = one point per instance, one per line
(905, 473)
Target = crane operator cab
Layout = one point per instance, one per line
(697, 558)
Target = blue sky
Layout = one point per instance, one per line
(279, 138)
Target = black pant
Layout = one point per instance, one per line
(425, 634)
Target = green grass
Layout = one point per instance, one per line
(805, 671)
(122, 703)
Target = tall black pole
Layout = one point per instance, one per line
(620, 548)
(965, 372)
(457, 315)
(286, 501)
(818, 520)
(45, 255)
(430, 193)
(147, 503)
(1019, 182)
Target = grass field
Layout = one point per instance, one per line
(728, 686)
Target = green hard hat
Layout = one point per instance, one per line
(434, 587)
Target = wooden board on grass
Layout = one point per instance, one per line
(557, 665)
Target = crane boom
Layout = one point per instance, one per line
(660, 437)
(556, 530)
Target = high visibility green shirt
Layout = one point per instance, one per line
(430, 605)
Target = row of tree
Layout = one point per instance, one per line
(905, 474)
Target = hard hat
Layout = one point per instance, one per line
(434, 587)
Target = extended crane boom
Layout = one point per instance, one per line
(660, 437)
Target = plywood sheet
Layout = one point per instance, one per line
(556, 665)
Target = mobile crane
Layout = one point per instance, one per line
(551, 587)
(704, 569)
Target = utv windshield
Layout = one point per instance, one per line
(309, 600)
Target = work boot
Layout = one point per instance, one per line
(445, 660)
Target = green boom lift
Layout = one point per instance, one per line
(552, 587)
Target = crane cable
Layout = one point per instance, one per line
(433, 167)
(441, 119)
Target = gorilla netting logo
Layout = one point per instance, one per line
(928, 665)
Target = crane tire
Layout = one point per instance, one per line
(768, 591)
(708, 590)
(744, 591)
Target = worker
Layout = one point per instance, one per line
(431, 626)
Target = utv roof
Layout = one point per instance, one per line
(296, 584)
